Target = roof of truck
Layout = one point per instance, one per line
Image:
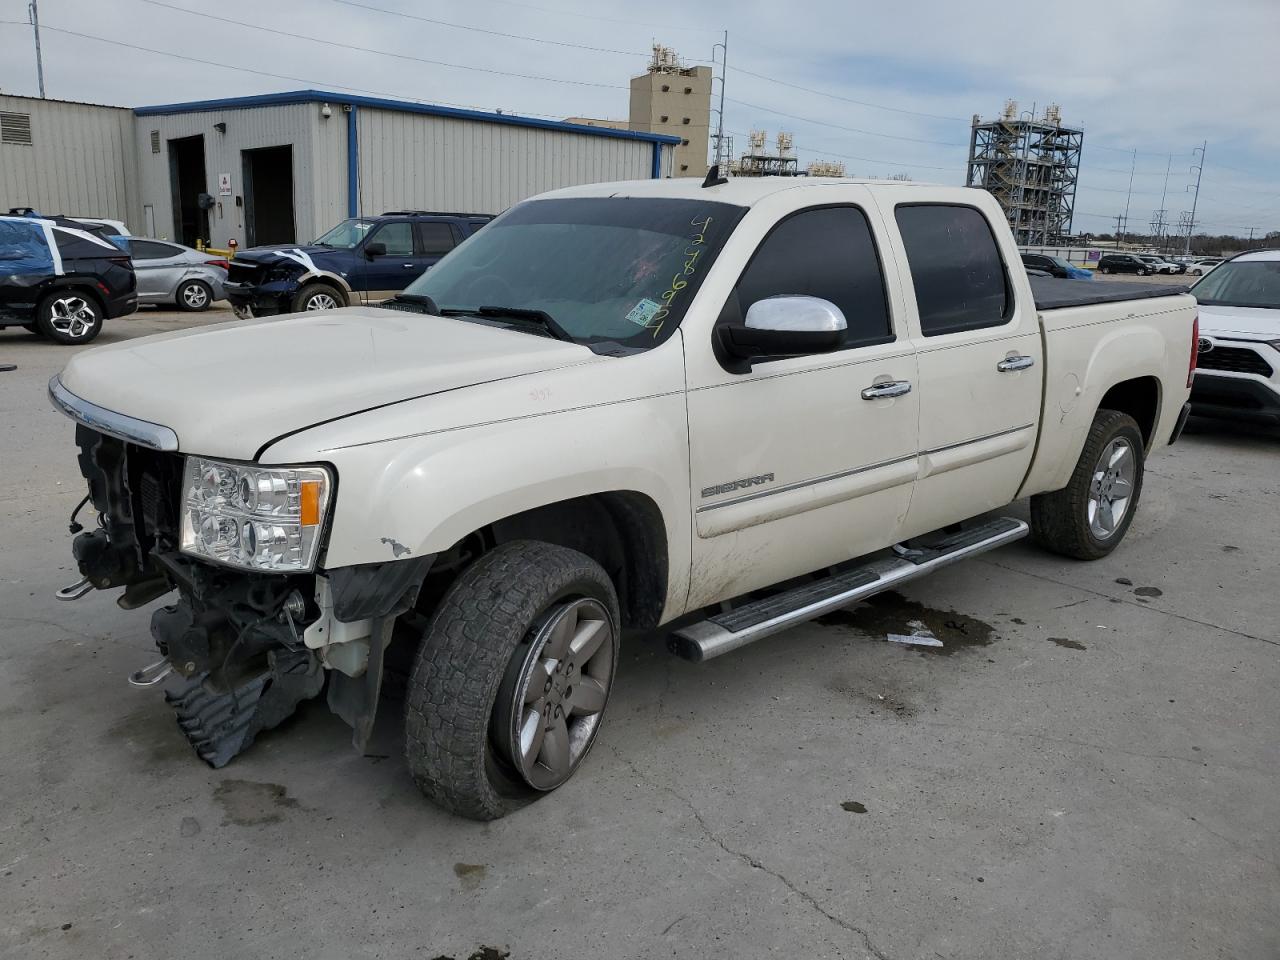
(742, 191)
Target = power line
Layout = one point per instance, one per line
(589, 16)
(824, 123)
(458, 26)
(324, 84)
(380, 52)
(836, 96)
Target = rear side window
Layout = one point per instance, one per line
(437, 238)
(828, 253)
(959, 277)
(150, 250)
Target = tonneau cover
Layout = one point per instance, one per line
(1053, 294)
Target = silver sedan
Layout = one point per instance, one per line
(171, 273)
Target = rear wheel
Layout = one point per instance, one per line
(69, 317)
(1142, 271)
(194, 296)
(510, 684)
(1089, 517)
(1105, 270)
(318, 296)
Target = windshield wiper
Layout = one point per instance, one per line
(540, 317)
(415, 299)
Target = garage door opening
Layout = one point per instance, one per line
(268, 195)
(186, 182)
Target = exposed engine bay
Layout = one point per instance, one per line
(241, 649)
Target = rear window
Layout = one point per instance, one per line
(959, 278)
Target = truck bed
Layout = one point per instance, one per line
(1053, 294)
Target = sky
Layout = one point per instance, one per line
(886, 88)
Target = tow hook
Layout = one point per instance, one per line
(74, 591)
(151, 674)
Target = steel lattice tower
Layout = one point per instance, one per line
(1031, 167)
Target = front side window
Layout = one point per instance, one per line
(956, 268)
(398, 238)
(827, 253)
(607, 270)
(346, 235)
(1241, 283)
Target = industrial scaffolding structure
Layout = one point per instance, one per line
(760, 161)
(1031, 166)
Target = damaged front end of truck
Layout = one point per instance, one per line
(257, 624)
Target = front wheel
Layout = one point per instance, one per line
(1193, 273)
(69, 317)
(1089, 517)
(509, 686)
(194, 296)
(1142, 272)
(317, 296)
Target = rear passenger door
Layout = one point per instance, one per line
(435, 239)
(159, 267)
(978, 346)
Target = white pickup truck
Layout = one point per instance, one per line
(725, 408)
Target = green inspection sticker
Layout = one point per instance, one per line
(642, 313)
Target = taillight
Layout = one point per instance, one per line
(1195, 348)
(218, 263)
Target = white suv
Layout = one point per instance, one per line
(1238, 368)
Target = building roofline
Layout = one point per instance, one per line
(403, 106)
(73, 103)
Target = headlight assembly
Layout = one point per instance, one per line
(252, 517)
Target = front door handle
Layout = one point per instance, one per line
(1019, 362)
(409, 266)
(891, 388)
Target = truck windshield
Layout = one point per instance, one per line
(345, 235)
(619, 270)
(1248, 283)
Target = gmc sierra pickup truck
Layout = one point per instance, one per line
(724, 408)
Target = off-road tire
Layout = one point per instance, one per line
(194, 304)
(483, 622)
(45, 316)
(1060, 520)
(303, 296)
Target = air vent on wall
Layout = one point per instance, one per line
(155, 141)
(15, 128)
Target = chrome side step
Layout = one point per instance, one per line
(761, 618)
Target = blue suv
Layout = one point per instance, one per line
(361, 260)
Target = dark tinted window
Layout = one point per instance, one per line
(827, 253)
(150, 250)
(437, 238)
(956, 268)
(71, 246)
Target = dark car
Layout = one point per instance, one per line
(1055, 267)
(361, 260)
(61, 280)
(1124, 263)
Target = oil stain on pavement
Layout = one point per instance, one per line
(887, 613)
(247, 803)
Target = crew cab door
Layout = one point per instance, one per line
(793, 468)
(383, 275)
(977, 340)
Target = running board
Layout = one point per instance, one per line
(761, 618)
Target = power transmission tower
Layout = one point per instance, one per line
(1199, 169)
(719, 134)
(33, 14)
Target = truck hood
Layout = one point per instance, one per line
(229, 389)
(1247, 323)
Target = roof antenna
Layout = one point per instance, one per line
(713, 177)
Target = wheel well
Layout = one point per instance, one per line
(621, 530)
(323, 281)
(1140, 399)
(73, 287)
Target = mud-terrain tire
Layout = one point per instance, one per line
(318, 296)
(1080, 520)
(474, 677)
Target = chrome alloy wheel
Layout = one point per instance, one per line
(321, 301)
(195, 296)
(549, 716)
(73, 317)
(1111, 489)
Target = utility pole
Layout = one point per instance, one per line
(1129, 195)
(724, 59)
(33, 13)
(1250, 246)
(1199, 169)
(1120, 217)
(1163, 193)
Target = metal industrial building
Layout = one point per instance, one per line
(1030, 165)
(285, 167)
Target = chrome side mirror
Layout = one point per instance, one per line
(784, 327)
